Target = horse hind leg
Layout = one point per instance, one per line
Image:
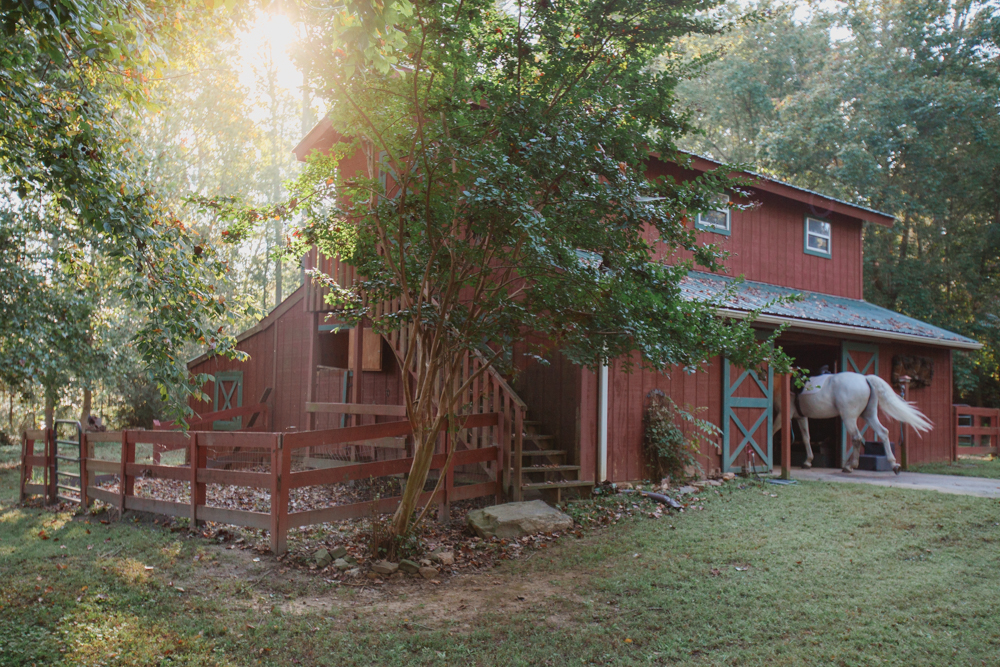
(871, 416)
(857, 441)
(804, 428)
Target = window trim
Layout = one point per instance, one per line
(706, 227)
(805, 237)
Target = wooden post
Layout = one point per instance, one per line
(50, 465)
(281, 464)
(904, 385)
(84, 454)
(501, 471)
(786, 426)
(313, 360)
(518, 445)
(125, 486)
(198, 491)
(25, 468)
(356, 366)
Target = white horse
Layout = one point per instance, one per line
(849, 396)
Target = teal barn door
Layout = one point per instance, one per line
(747, 417)
(856, 358)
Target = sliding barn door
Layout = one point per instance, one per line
(856, 358)
(746, 418)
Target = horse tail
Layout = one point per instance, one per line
(896, 407)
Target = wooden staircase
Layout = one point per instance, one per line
(534, 464)
(544, 471)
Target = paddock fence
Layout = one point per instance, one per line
(977, 430)
(273, 481)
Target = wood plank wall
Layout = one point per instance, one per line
(767, 243)
(552, 393)
(383, 387)
(934, 401)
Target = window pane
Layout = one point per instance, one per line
(715, 219)
(966, 441)
(984, 422)
(985, 441)
(965, 420)
(819, 244)
(819, 227)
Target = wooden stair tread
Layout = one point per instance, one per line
(537, 436)
(542, 452)
(554, 468)
(568, 484)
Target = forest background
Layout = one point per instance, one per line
(894, 104)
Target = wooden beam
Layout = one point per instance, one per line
(358, 409)
(786, 426)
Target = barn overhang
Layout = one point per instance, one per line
(816, 312)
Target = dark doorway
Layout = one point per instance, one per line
(824, 434)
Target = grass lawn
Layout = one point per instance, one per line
(836, 574)
(965, 467)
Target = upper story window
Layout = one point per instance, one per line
(818, 237)
(718, 220)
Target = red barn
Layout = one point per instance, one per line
(590, 425)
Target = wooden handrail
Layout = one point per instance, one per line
(358, 409)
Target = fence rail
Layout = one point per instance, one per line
(977, 430)
(206, 457)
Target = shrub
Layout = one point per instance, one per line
(670, 448)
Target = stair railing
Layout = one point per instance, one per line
(488, 393)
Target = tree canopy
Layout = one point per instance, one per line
(506, 191)
(892, 104)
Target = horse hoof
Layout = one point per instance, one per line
(846, 469)
(897, 469)
(806, 464)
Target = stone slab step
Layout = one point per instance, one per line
(542, 452)
(569, 484)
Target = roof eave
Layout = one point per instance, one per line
(829, 327)
(813, 199)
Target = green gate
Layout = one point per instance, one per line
(228, 395)
(747, 400)
(856, 358)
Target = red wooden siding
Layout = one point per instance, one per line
(934, 401)
(767, 243)
(552, 393)
(627, 402)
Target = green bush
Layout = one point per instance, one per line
(670, 448)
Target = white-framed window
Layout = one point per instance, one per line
(818, 237)
(718, 220)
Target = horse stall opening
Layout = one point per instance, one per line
(811, 357)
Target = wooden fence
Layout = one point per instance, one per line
(272, 450)
(977, 430)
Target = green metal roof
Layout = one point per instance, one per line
(822, 312)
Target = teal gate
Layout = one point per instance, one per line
(746, 401)
(856, 358)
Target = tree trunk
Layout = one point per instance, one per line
(50, 408)
(88, 399)
(423, 456)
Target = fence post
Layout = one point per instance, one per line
(84, 476)
(502, 473)
(518, 457)
(50, 465)
(281, 463)
(25, 468)
(123, 484)
(198, 491)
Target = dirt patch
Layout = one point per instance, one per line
(457, 602)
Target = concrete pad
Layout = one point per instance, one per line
(954, 484)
